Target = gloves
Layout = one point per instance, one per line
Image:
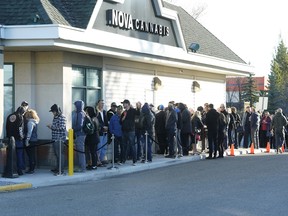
(27, 143)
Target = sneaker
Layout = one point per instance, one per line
(180, 155)
(58, 173)
(54, 170)
(119, 163)
(20, 173)
(30, 172)
(134, 164)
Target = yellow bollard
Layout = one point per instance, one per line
(70, 153)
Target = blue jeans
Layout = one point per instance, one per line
(20, 155)
(140, 142)
(80, 146)
(129, 141)
(279, 139)
(102, 150)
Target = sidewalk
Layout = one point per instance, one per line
(43, 177)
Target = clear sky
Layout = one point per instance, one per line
(251, 28)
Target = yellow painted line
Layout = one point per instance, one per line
(15, 187)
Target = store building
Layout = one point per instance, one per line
(58, 51)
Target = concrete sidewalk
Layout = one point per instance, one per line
(43, 177)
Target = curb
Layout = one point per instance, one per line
(14, 187)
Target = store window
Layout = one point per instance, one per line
(9, 94)
(86, 85)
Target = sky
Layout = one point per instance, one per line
(250, 28)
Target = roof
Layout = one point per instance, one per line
(65, 12)
(77, 14)
(194, 32)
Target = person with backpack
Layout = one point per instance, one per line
(78, 117)
(92, 138)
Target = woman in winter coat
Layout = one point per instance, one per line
(31, 123)
(92, 140)
(197, 126)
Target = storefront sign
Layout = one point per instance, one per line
(125, 21)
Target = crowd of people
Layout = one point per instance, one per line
(174, 129)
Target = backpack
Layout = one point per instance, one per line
(88, 126)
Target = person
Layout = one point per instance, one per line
(222, 128)
(15, 128)
(128, 129)
(212, 122)
(110, 113)
(279, 122)
(116, 129)
(25, 105)
(227, 116)
(148, 119)
(138, 130)
(92, 140)
(254, 121)
(197, 127)
(103, 129)
(186, 128)
(32, 120)
(171, 128)
(246, 127)
(160, 130)
(58, 128)
(235, 122)
(78, 117)
(204, 138)
(178, 130)
(265, 129)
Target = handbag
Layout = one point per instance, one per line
(268, 133)
(239, 129)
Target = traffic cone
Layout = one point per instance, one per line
(232, 150)
(252, 148)
(268, 147)
(283, 148)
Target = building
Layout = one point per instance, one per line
(58, 51)
(233, 89)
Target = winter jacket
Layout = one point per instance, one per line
(279, 122)
(78, 118)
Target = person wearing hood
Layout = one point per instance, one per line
(279, 122)
(15, 128)
(78, 117)
(148, 124)
(31, 121)
(58, 128)
(160, 130)
(186, 128)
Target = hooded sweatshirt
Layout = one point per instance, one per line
(78, 118)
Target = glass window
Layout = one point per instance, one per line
(86, 85)
(8, 92)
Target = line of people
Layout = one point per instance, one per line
(175, 129)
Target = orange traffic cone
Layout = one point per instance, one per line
(268, 147)
(252, 148)
(232, 150)
(283, 148)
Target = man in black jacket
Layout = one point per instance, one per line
(127, 121)
(160, 119)
(15, 128)
(212, 118)
(171, 127)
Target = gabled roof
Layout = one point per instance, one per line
(65, 12)
(76, 13)
(193, 31)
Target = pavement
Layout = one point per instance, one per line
(44, 177)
